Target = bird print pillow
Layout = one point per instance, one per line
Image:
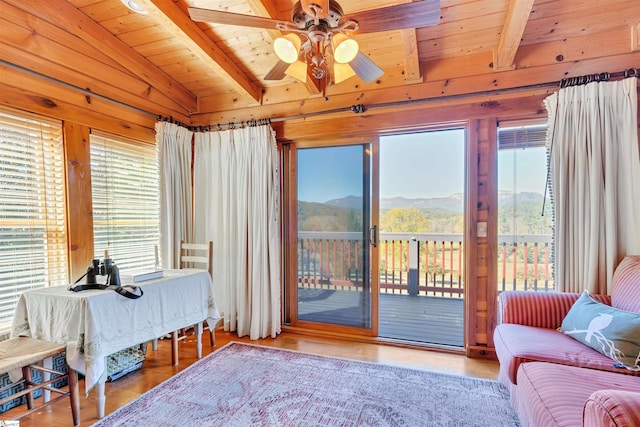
(613, 332)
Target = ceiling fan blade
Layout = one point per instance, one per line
(365, 68)
(219, 17)
(277, 72)
(409, 15)
(323, 5)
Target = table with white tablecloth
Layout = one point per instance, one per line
(96, 323)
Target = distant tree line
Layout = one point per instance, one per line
(520, 218)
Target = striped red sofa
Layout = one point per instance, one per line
(555, 380)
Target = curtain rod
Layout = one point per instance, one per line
(357, 109)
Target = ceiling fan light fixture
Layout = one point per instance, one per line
(344, 48)
(287, 48)
(134, 6)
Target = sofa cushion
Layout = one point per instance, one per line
(539, 309)
(625, 285)
(555, 395)
(611, 331)
(614, 408)
(517, 344)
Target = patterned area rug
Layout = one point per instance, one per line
(249, 385)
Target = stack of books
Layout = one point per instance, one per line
(142, 275)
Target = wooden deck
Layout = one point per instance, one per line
(423, 319)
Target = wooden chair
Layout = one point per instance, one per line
(194, 255)
(26, 354)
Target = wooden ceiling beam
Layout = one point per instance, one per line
(64, 15)
(169, 15)
(412, 73)
(514, 25)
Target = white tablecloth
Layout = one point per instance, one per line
(96, 323)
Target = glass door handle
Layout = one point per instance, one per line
(373, 236)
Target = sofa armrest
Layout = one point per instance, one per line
(538, 309)
(612, 408)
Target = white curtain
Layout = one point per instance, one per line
(592, 141)
(236, 205)
(173, 143)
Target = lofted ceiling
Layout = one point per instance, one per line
(167, 64)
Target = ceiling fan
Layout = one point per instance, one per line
(317, 38)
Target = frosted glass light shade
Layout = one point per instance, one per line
(344, 48)
(287, 48)
(297, 70)
(342, 72)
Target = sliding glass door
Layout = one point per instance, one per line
(334, 237)
(374, 237)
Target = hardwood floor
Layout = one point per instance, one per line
(157, 368)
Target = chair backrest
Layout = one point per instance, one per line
(197, 255)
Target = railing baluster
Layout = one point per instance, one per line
(525, 263)
(357, 265)
(460, 256)
(442, 271)
(342, 275)
(400, 260)
(504, 266)
(349, 262)
(386, 262)
(435, 264)
(393, 262)
(334, 267)
(315, 262)
(515, 264)
(535, 266)
(324, 256)
(426, 266)
(546, 267)
(450, 266)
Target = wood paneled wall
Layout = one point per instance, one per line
(79, 203)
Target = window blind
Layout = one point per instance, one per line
(126, 205)
(33, 238)
(521, 135)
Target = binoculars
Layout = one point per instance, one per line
(106, 267)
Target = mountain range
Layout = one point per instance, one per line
(453, 203)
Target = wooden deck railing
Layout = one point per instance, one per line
(419, 263)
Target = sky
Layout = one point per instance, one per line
(329, 173)
(422, 165)
(526, 170)
(418, 165)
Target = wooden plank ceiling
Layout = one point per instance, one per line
(165, 63)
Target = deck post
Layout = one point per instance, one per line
(414, 274)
